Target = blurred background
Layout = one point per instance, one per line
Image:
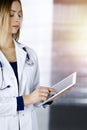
(57, 31)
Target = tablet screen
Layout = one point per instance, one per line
(61, 87)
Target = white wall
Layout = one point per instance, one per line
(37, 33)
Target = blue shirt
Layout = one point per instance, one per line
(20, 102)
(14, 66)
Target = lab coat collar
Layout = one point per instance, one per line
(21, 58)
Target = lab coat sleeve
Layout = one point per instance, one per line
(8, 106)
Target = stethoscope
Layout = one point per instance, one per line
(28, 61)
(2, 80)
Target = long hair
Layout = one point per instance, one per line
(5, 6)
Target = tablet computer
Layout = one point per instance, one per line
(61, 87)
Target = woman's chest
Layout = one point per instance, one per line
(9, 54)
(9, 84)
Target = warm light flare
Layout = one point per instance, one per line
(79, 35)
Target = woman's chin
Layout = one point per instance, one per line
(14, 32)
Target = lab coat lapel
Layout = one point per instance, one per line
(5, 62)
(21, 58)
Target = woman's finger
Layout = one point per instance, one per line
(52, 89)
(44, 89)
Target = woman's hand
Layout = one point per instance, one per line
(40, 94)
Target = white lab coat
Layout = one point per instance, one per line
(28, 76)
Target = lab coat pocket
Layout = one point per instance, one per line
(2, 123)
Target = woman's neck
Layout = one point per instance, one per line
(8, 49)
(7, 43)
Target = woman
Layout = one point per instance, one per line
(19, 76)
